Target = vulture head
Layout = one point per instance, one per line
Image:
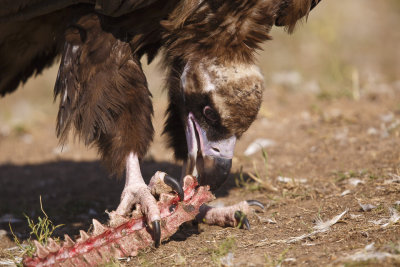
(216, 103)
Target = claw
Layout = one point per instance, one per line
(172, 182)
(255, 203)
(241, 218)
(156, 233)
(246, 222)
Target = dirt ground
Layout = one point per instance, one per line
(330, 122)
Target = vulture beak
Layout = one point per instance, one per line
(209, 161)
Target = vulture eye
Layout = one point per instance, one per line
(210, 114)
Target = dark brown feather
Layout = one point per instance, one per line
(291, 11)
(22, 10)
(103, 94)
(26, 48)
(238, 25)
(174, 128)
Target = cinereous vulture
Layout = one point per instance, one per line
(208, 49)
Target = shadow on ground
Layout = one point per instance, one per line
(72, 192)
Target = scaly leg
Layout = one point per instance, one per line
(136, 192)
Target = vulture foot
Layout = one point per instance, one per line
(145, 198)
(234, 215)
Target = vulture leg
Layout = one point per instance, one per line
(234, 215)
(104, 97)
(137, 192)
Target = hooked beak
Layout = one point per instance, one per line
(209, 161)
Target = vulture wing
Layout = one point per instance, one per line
(103, 93)
(27, 47)
(32, 33)
(22, 10)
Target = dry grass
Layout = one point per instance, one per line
(41, 231)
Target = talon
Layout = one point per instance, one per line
(241, 218)
(172, 182)
(255, 203)
(246, 222)
(156, 233)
